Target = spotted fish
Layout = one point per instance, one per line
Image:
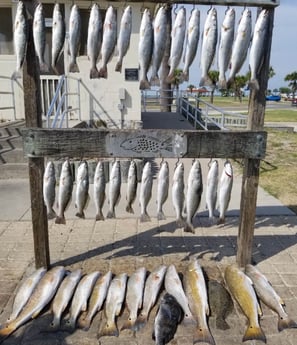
(143, 143)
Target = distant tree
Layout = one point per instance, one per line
(239, 82)
(191, 87)
(271, 72)
(285, 90)
(177, 78)
(292, 78)
(214, 77)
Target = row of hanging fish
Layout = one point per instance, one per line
(188, 203)
(185, 301)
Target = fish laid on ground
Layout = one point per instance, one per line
(20, 36)
(193, 196)
(24, 292)
(209, 43)
(257, 51)
(58, 35)
(131, 186)
(39, 36)
(145, 191)
(177, 191)
(241, 288)
(195, 289)
(177, 43)
(65, 191)
(162, 189)
(74, 38)
(168, 317)
(114, 191)
(226, 183)
(159, 37)
(147, 144)
(193, 33)
(151, 290)
(174, 287)
(49, 189)
(124, 37)
(94, 39)
(212, 188)
(63, 296)
(96, 300)
(240, 45)
(145, 48)
(99, 190)
(134, 296)
(268, 295)
(225, 46)
(113, 305)
(41, 296)
(109, 39)
(82, 189)
(220, 303)
(80, 298)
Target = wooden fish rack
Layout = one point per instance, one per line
(249, 145)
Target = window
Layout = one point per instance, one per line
(6, 34)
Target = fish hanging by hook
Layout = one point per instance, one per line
(209, 9)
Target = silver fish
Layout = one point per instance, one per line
(225, 189)
(225, 46)
(240, 45)
(134, 296)
(41, 296)
(74, 38)
(193, 33)
(20, 36)
(160, 32)
(193, 196)
(63, 296)
(145, 48)
(209, 43)
(162, 189)
(113, 305)
(80, 298)
(151, 290)
(49, 189)
(96, 300)
(177, 43)
(145, 191)
(168, 317)
(82, 189)
(174, 287)
(58, 35)
(94, 39)
(268, 295)
(212, 188)
(109, 39)
(24, 292)
(114, 188)
(177, 192)
(65, 191)
(143, 143)
(39, 36)
(124, 36)
(257, 50)
(131, 186)
(99, 190)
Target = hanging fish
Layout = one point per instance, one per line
(74, 38)
(162, 189)
(99, 190)
(82, 189)
(131, 186)
(225, 188)
(49, 189)
(177, 193)
(115, 182)
(145, 191)
(58, 35)
(211, 188)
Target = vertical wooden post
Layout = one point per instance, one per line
(250, 179)
(32, 103)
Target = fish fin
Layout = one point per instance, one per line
(144, 84)
(161, 215)
(6, 330)
(189, 228)
(144, 217)
(129, 209)
(103, 72)
(118, 66)
(203, 335)
(94, 74)
(254, 333)
(284, 323)
(110, 214)
(60, 220)
(80, 214)
(167, 144)
(254, 84)
(99, 216)
(51, 214)
(109, 330)
(73, 67)
(140, 322)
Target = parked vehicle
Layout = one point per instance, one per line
(294, 102)
(275, 98)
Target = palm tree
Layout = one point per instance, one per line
(191, 87)
(214, 77)
(292, 78)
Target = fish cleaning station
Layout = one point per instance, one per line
(156, 294)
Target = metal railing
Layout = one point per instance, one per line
(151, 99)
(11, 92)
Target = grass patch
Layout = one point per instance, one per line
(281, 115)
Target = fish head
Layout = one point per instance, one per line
(129, 144)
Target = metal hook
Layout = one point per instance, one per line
(209, 9)
(175, 9)
(209, 163)
(193, 8)
(227, 9)
(177, 162)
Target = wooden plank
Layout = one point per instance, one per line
(250, 180)
(32, 103)
(89, 143)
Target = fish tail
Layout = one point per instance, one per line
(254, 85)
(6, 331)
(80, 214)
(161, 215)
(140, 322)
(254, 333)
(109, 329)
(60, 220)
(110, 214)
(118, 66)
(180, 223)
(94, 74)
(16, 74)
(155, 80)
(188, 227)
(103, 72)
(144, 84)
(222, 84)
(170, 78)
(144, 217)
(99, 216)
(221, 220)
(129, 208)
(44, 67)
(51, 214)
(73, 67)
(185, 76)
(84, 323)
(284, 323)
(203, 335)
(230, 82)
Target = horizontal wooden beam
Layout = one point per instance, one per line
(149, 143)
